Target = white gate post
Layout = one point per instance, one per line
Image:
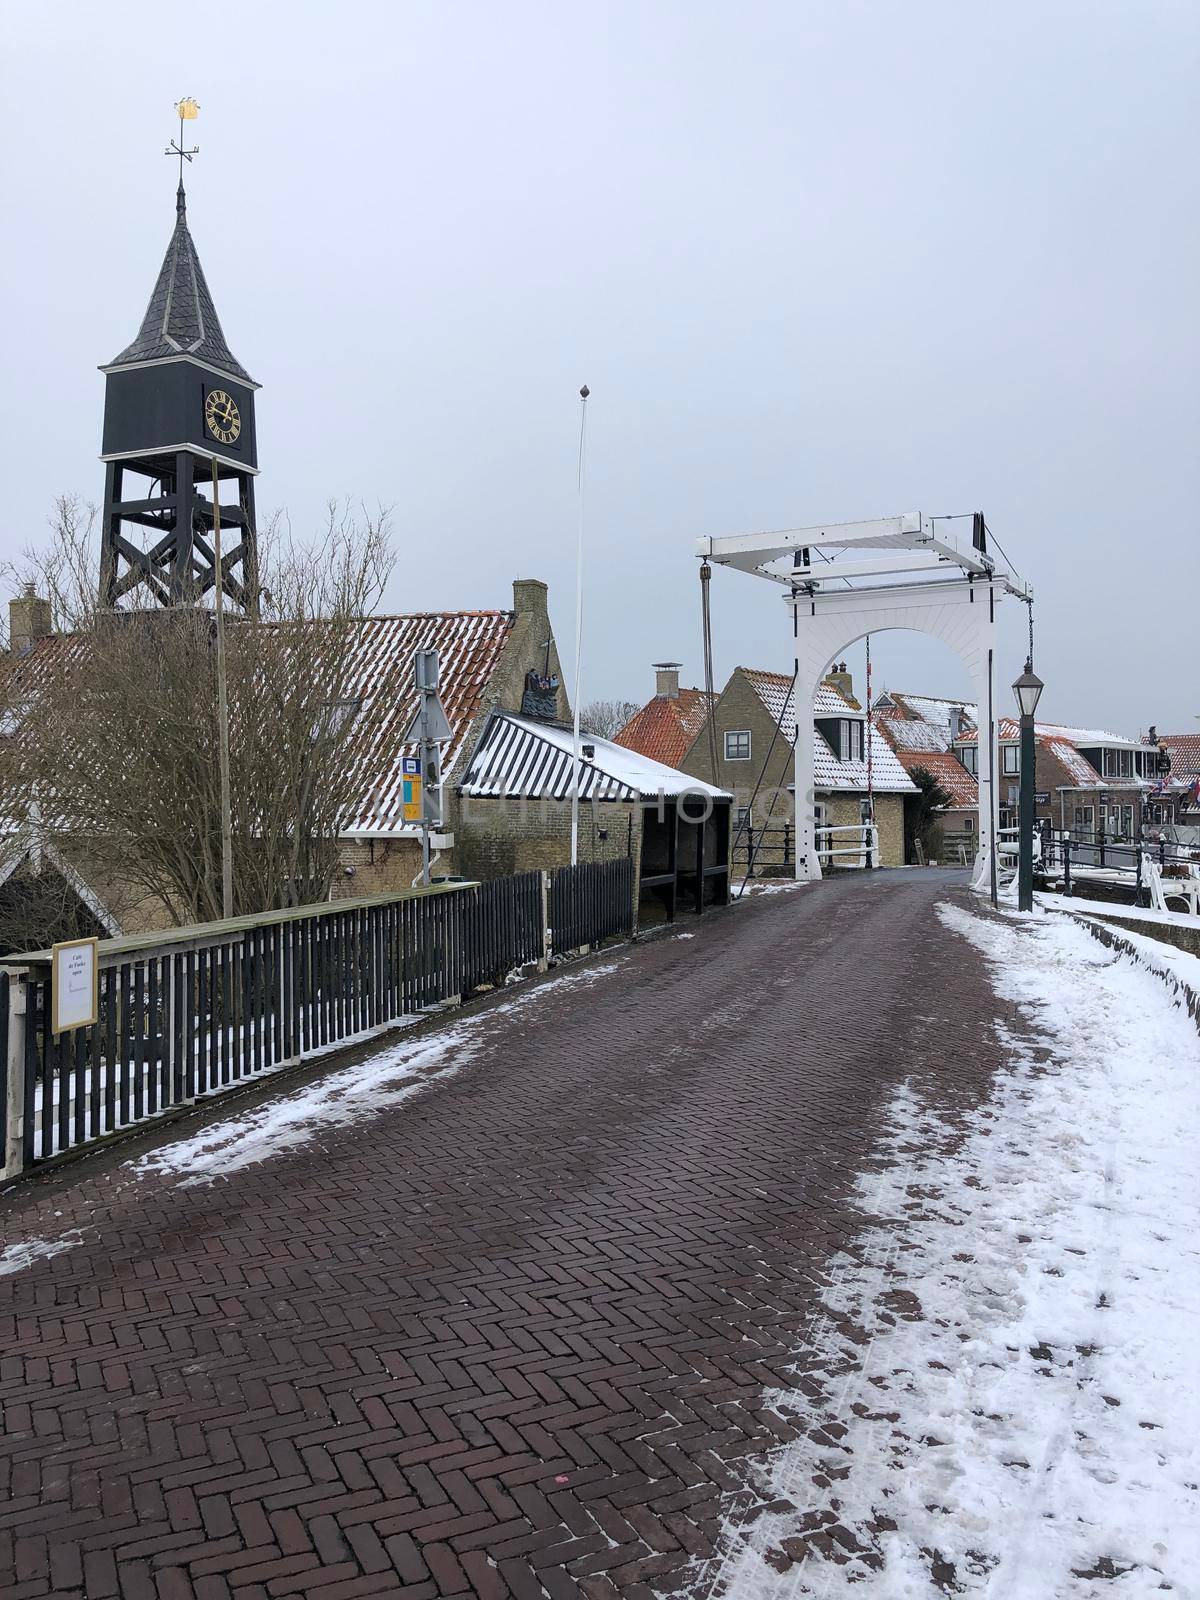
(808, 863)
(16, 1109)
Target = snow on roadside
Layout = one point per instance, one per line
(1001, 1394)
(379, 1083)
(26, 1251)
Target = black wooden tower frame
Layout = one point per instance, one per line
(178, 563)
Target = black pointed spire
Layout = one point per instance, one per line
(181, 319)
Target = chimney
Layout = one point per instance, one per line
(840, 679)
(956, 721)
(28, 620)
(666, 676)
(529, 597)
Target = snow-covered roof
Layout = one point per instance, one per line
(1089, 736)
(1078, 768)
(774, 689)
(936, 710)
(517, 757)
(917, 735)
(376, 683)
(886, 776)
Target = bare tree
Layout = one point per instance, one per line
(604, 719)
(112, 750)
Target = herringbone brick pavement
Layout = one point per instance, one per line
(509, 1338)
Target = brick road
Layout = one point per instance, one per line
(510, 1337)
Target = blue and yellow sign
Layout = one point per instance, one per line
(412, 806)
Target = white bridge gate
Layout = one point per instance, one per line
(846, 580)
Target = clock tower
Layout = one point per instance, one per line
(178, 430)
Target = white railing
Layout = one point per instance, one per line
(864, 845)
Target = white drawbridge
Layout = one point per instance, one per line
(845, 580)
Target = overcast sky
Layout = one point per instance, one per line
(816, 261)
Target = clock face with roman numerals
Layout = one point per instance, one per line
(222, 417)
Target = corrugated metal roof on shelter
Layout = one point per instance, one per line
(517, 758)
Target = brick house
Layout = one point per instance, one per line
(495, 664)
(1086, 780)
(490, 661)
(666, 725)
(755, 727)
(1174, 801)
(921, 730)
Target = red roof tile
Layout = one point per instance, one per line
(947, 769)
(1184, 750)
(666, 726)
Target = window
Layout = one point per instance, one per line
(968, 754)
(1084, 818)
(743, 816)
(737, 745)
(968, 824)
(1011, 759)
(856, 741)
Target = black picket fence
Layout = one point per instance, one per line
(589, 903)
(191, 1013)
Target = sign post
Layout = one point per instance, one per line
(428, 729)
(74, 984)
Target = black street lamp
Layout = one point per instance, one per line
(1028, 690)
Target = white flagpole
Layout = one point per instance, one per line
(583, 397)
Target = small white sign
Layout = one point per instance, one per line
(74, 984)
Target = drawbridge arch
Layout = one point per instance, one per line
(910, 579)
(961, 614)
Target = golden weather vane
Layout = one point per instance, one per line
(187, 110)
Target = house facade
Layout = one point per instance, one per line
(493, 664)
(754, 724)
(921, 729)
(1086, 780)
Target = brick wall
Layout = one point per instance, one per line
(845, 811)
(498, 837)
(379, 866)
(495, 838)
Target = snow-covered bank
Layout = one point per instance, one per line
(1004, 1380)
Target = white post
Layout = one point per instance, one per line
(808, 865)
(583, 398)
(981, 878)
(18, 998)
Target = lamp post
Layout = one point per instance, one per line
(1028, 690)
